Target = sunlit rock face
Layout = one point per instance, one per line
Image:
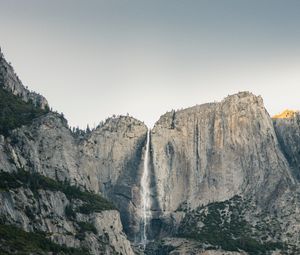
(286, 114)
(214, 151)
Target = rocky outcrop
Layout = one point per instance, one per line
(11, 82)
(286, 114)
(212, 152)
(105, 161)
(45, 210)
(288, 133)
(112, 154)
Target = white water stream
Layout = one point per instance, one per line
(145, 195)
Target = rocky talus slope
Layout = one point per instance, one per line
(224, 179)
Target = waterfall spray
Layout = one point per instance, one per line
(145, 195)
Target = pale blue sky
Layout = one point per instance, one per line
(92, 59)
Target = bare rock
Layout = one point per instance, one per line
(11, 82)
(214, 151)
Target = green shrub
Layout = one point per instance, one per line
(84, 227)
(231, 233)
(70, 213)
(92, 202)
(87, 227)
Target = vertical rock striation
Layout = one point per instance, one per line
(112, 158)
(106, 161)
(214, 151)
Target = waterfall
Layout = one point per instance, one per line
(145, 195)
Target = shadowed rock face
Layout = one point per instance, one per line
(288, 133)
(113, 153)
(214, 151)
(106, 161)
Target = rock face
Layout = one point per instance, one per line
(288, 133)
(11, 82)
(95, 161)
(214, 168)
(286, 114)
(112, 154)
(46, 211)
(206, 156)
(106, 161)
(212, 152)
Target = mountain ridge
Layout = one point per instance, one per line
(286, 114)
(212, 168)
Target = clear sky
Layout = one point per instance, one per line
(92, 59)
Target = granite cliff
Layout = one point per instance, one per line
(213, 152)
(11, 82)
(224, 178)
(43, 146)
(288, 132)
